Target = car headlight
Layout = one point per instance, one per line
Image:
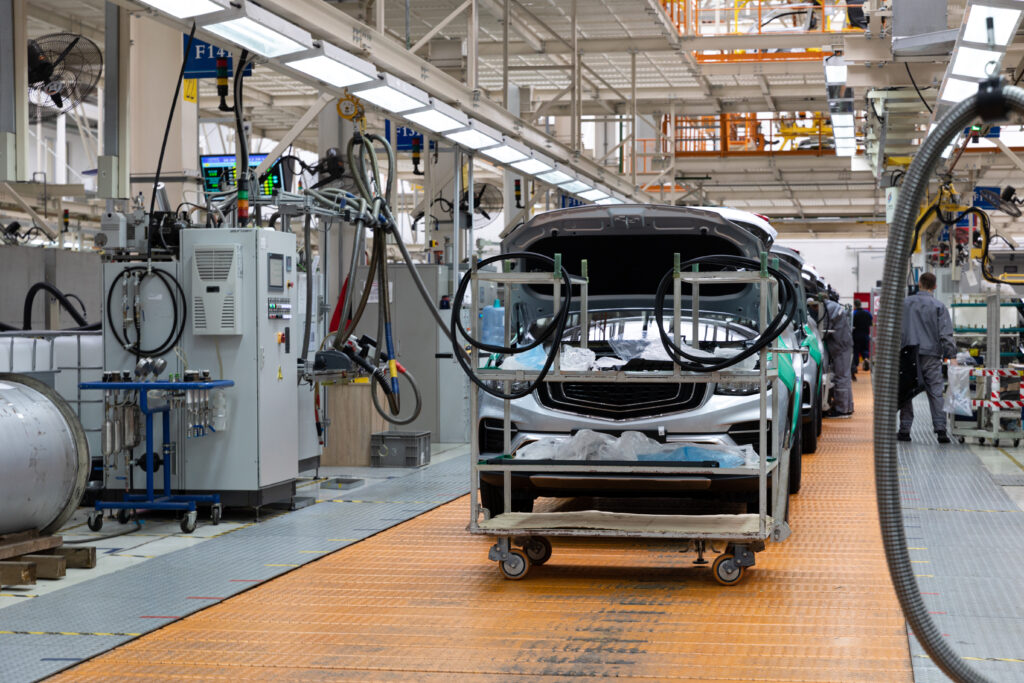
(738, 388)
(514, 388)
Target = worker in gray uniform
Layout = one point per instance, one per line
(927, 325)
(839, 340)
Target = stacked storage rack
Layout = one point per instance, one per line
(742, 534)
(997, 418)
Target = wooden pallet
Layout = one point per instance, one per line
(27, 556)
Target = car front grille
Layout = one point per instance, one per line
(620, 401)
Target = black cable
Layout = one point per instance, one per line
(242, 173)
(787, 294)
(556, 328)
(30, 297)
(167, 132)
(81, 304)
(914, 83)
(179, 317)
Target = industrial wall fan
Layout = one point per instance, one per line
(487, 204)
(1007, 201)
(63, 70)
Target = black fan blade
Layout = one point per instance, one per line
(68, 49)
(58, 101)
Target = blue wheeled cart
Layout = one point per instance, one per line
(176, 393)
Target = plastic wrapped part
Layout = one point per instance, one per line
(575, 358)
(608, 363)
(588, 445)
(724, 456)
(628, 348)
(964, 358)
(958, 395)
(533, 359)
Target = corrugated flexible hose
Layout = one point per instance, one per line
(889, 326)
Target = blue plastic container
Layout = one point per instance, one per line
(492, 324)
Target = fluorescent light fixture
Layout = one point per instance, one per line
(842, 120)
(957, 90)
(476, 136)
(392, 93)
(843, 132)
(533, 166)
(186, 9)
(437, 117)
(594, 195)
(835, 70)
(257, 30)
(504, 153)
(973, 63)
(1004, 24)
(333, 66)
(846, 151)
(555, 177)
(608, 200)
(575, 187)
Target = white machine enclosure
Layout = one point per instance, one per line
(257, 456)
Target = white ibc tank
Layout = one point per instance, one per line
(44, 457)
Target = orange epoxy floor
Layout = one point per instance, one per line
(421, 602)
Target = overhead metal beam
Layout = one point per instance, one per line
(439, 26)
(330, 23)
(289, 138)
(521, 28)
(763, 41)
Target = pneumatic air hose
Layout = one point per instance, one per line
(992, 101)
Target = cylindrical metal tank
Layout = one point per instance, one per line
(44, 457)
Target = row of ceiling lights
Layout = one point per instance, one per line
(253, 28)
(840, 106)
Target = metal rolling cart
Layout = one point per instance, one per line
(743, 534)
(996, 419)
(188, 394)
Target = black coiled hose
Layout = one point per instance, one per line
(886, 369)
(788, 297)
(179, 313)
(555, 329)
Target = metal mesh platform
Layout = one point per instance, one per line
(422, 602)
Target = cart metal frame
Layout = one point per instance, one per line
(151, 500)
(743, 534)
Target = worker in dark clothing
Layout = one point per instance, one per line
(839, 341)
(862, 322)
(927, 325)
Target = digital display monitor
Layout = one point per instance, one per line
(219, 173)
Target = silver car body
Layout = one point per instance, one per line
(629, 248)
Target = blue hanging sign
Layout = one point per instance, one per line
(202, 59)
(981, 202)
(403, 136)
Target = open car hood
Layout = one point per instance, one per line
(629, 248)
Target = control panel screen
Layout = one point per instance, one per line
(219, 173)
(275, 271)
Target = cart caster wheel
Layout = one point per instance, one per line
(981, 442)
(726, 571)
(1016, 442)
(538, 549)
(124, 516)
(95, 521)
(215, 513)
(996, 443)
(188, 522)
(961, 439)
(516, 566)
